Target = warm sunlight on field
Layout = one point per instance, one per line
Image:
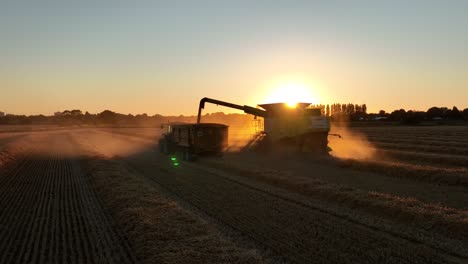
(291, 93)
(247, 132)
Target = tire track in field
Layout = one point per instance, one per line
(49, 214)
(297, 232)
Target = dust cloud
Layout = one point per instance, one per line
(76, 143)
(242, 128)
(352, 145)
(113, 145)
(240, 137)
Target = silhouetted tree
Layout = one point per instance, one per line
(414, 117)
(351, 109)
(398, 115)
(434, 112)
(344, 109)
(76, 112)
(454, 113)
(89, 118)
(107, 117)
(465, 113)
(357, 108)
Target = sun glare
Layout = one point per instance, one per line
(291, 93)
(291, 104)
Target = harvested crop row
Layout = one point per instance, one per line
(419, 130)
(160, 230)
(416, 132)
(415, 135)
(50, 215)
(419, 142)
(421, 148)
(300, 233)
(408, 211)
(441, 160)
(403, 169)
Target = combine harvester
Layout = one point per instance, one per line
(301, 127)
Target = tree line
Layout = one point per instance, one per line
(336, 112)
(439, 114)
(110, 118)
(358, 112)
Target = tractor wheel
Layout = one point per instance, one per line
(186, 155)
(323, 144)
(189, 154)
(264, 145)
(317, 143)
(161, 146)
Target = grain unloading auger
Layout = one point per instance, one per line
(301, 126)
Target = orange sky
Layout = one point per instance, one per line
(159, 58)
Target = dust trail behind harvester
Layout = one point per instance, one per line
(242, 128)
(352, 145)
(240, 137)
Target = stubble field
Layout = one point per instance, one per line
(386, 195)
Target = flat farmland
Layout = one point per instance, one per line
(56, 207)
(385, 195)
(427, 153)
(49, 212)
(437, 140)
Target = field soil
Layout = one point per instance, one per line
(62, 203)
(108, 196)
(50, 213)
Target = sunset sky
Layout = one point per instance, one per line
(164, 56)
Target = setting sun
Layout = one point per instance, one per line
(291, 104)
(291, 93)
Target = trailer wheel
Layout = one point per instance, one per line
(192, 156)
(264, 145)
(189, 154)
(186, 154)
(161, 146)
